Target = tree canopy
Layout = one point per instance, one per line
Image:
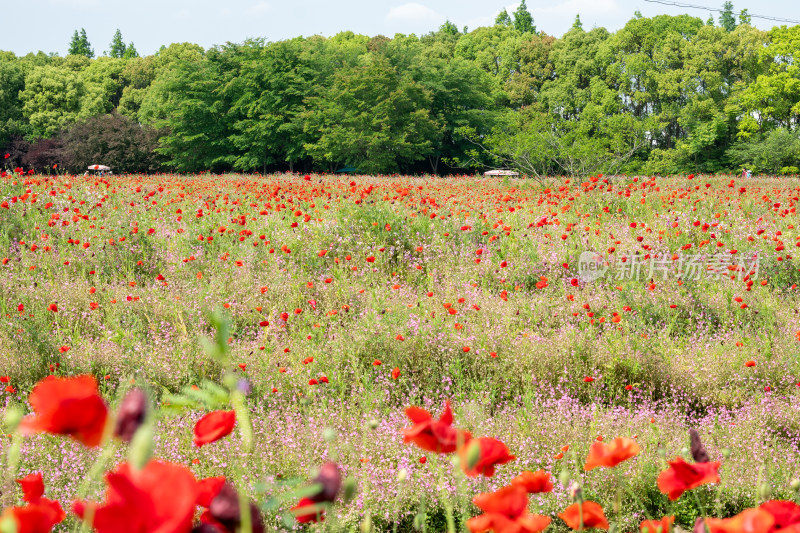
(663, 94)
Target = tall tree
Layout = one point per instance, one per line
(12, 81)
(79, 45)
(52, 99)
(449, 28)
(523, 20)
(726, 17)
(744, 17)
(503, 19)
(130, 51)
(117, 47)
(373, 118)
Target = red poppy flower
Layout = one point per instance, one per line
(207, 489)
(785, 513)
(38, 517)
(612, 454)
(67, 406)
(32, 487)
(53, 308)
(748, 521)
(491, 452)
(438, 436)
(396, 373)
(592, 515)
(657, 526)
(307, 510)
(159, 497)
(533, 482)
(213, 426)
(505, 511)
(682, 476)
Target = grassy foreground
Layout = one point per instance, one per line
(412, 291)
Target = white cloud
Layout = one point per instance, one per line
(259, 8)
(412, 12)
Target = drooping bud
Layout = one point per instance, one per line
(564, 477)
(402, 475)
(131, 414)
(331, 480)
(349, 491)
(473, 454)
(224, 509)
(764, 492)
(699, 453)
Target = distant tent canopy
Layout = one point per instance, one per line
(347, 170)
(99, 167)
(501, 173)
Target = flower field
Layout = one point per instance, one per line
(397, 353)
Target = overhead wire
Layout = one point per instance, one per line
(694, 6)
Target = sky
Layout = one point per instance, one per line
(47, 25)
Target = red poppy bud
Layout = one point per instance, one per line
(131, 414)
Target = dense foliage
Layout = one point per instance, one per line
(662, 95)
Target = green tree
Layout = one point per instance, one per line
(523, 21)
(726, 17)
(744, 17)
(12, 81)
(117, 47)
(136, 77)
(449, 28)
(184, 100)
(777, 152)
(772, 100)
(79, 45)
(503, 19)
(269, 95)
(52, 99)
(130, 51)
(578, 25)
(540, 144)
(373, 118)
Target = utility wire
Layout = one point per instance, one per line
(753, 15)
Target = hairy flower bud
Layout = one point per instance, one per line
(224, 509)
(131, 414)
(699, 453)
(330, 479)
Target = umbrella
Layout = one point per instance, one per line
(501, 173)
(99, 167)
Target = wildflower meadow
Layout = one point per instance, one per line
(223, 353)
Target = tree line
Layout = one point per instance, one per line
(667, 94)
